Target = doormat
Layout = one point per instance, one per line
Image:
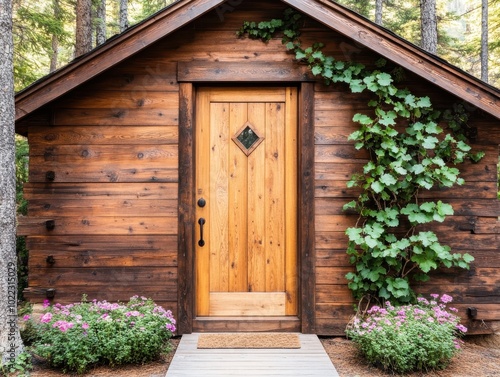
(249, 340)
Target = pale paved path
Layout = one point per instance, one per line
(310, 360)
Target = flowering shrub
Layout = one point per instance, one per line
(411, 337)
(76, 336)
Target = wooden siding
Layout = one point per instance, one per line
(118, 191)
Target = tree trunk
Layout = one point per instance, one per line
(123, 15)
(55, 39)
(428, 23)
(83, 43)
(484, 40)
(379, 4)
(10, 340)
(101, 23)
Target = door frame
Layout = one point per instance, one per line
(305, 211)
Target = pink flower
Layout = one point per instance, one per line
(446, 299)
(85, 325)
(63, 325)
(26, 317)
(170, 327)
(434, 295)
(461, 328)
(46, 303)
(46, 318)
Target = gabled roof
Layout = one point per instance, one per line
(331, 14)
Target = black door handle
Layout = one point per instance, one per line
(201, 221)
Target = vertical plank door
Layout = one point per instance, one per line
(246, 202)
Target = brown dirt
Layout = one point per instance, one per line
(478, 359)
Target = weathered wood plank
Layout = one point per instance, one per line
(470, 190)
(118, 172)
(470, 207)
(307, 241)
(204, 71)
(113, 135)
(98, 191)
(116, 117)
(119, 99)
(112, 225)
(81, 243)
(103, 207)
(185, 246)
(99, 277)
(98, 155)
(103, 257)
(224, 304)
(144, 74)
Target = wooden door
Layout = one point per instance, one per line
(246, 196)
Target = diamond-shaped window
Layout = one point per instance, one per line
(247, 138)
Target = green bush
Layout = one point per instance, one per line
(76, 336)
(409, 338)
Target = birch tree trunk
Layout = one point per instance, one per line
(379, 5)
(123, 15)
(55, 39)
(428, 24)
(10, 340)
(484, 40)
(83, 43)
(101, 23)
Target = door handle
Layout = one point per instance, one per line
(201, 221)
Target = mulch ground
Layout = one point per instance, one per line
(479, 358)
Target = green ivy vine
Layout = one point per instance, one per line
(410, 151)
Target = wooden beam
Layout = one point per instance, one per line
(186, 210)
(111, 53)
(307, 255)
(203, 71)
(409, 56)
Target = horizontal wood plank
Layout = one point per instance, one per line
(118, 172)
(247, 303)
(99, 134)
(116, 117)
(112, 225)
(103, 207)
(97, 191)
(99, 277)
(204, 71)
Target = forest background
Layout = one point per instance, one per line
(44, 30)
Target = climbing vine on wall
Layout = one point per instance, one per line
(413, 147)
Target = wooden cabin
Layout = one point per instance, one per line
(208, 172)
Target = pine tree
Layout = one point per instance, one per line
(484, 40)
(10, 340)
(100, 22)
(83, 34)
(123, 18)
(428, 21)
(379, 5)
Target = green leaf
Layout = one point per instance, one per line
(357, 86)
(377, 187)
(384, 79)
(316, 70)
(362, 119)
(299, 55)
(388, 179)
(424, 102)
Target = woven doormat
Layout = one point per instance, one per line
(249, 340)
